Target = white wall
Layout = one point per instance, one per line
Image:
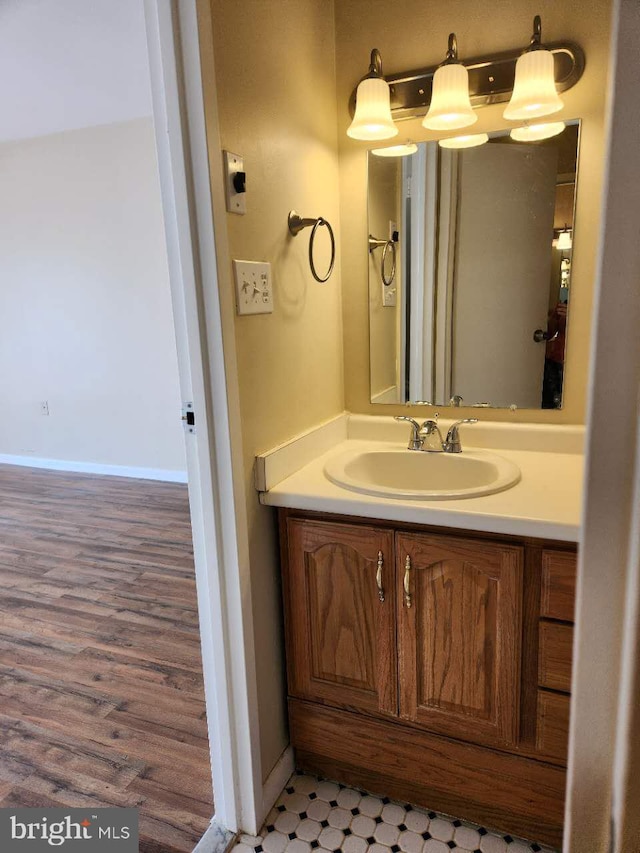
(85, 310)
(67, 64)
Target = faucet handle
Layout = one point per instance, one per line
(452, 441)
(415, 442)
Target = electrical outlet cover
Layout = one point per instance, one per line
(254, 292)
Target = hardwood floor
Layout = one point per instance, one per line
(101, 695)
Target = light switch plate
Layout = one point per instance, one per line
(389, 294)
(236, 202)
(254, 293)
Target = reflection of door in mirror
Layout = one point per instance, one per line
(502, 268)
(385, 292)
(482, 293)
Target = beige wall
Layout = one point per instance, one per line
(277, 108)
(412, 34)
(85, 308)
(282, 105)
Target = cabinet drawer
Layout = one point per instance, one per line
(554, 656)
(558, 585)
(552, 726)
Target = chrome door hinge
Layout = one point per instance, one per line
(188, 417)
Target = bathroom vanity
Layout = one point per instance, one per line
(432, 665)
(427, 660)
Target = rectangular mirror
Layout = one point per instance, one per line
(470, 272)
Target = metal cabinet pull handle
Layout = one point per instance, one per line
(379, 576)
(407, 581)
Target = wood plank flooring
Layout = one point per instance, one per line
(101, 695)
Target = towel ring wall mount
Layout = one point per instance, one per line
(298, 223)
(387, 245)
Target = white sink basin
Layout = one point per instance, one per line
(419, 475)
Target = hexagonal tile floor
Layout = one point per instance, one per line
(317, 814)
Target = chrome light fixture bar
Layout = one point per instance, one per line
(491, 80)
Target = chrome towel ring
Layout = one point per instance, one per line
(386, 244)
(297, 223)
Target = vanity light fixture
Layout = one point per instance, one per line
(487, 80)
(372, 118)
(450, 106)
(536, 132)
(396, 150)
(534, 91)
(470, 141)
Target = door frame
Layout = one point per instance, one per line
(603, 792)
(208, 379)
(601, 786)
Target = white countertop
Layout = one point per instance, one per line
(546, 503)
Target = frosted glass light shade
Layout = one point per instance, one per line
(470, 141)
(396, 150)
(535, 132)
(450, 106)
(534, 92)
(372, 119)
(564, 241)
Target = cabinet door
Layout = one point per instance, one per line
(340, 615)
(460, 627)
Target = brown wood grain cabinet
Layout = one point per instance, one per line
(459, 632)
(556, 643)
(431, 665)
(558, 585)
(341, 616)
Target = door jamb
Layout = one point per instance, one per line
(206, 353)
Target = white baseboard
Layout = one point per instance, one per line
(166, 475)
(276, 781)
(216, 839)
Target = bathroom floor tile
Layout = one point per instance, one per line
(319, 815)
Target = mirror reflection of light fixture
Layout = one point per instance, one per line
(470, 141)
(396, 150)
(534, 91)
(564, 241)
(372, 119)
(536, 132)
(450, 106)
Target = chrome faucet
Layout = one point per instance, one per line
(452, 442)
(432, 441)
(429, 434)
(415, 440)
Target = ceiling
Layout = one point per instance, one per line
(68, 64)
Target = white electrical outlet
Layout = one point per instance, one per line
(44, 407)
(254, 293)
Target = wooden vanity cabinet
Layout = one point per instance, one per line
(340, 620)
(431, 665)
(459, 633)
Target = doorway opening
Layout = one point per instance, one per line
(101, 676)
